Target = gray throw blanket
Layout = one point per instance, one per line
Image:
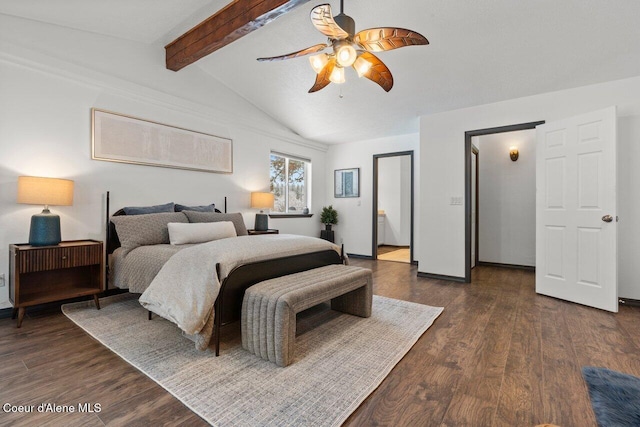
(187, 286)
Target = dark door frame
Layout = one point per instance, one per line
(476, 152)
(374, 241)
(467, 183)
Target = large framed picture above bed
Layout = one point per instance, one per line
(125, 139)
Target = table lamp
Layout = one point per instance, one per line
(262, 201)
(33, 190)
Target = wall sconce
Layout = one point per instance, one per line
(513, 153)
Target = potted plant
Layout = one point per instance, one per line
(328, 217)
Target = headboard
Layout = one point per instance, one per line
(113, 242)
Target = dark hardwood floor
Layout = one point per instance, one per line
(499, 355)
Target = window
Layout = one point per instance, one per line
(290, 183)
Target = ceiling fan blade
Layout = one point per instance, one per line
(388, 38)
(322, 19)
(378, 72)
(322, 78)
(307, 51)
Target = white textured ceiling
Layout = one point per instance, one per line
(480, 52)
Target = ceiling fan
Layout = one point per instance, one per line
(351, 49)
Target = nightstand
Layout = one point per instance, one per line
(41, 274)
(253, 232)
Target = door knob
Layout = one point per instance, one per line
(607, 218)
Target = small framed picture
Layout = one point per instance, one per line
(347, 183)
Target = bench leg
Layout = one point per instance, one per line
(357, 302)
(284, 328)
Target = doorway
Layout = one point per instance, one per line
(471, 217)
(393, 207)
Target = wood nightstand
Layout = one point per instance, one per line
(41, 274)
(253, 232)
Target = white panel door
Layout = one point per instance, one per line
(576, 210)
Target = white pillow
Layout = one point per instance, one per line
(181, 233)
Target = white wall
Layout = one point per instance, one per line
(394, 197)
(629, 206)
(356, 214)
(45, 102)
(507, 211)
(442, 238)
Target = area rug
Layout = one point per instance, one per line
(338, 363)
(615, 397)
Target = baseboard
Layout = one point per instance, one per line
(629, 302)
(497, 264)
(359, 256)
(5, 312)
(441, 277)
(114, 291)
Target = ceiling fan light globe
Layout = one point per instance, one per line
(337, 75)
(346, 55)
(318, 62)
(361, 66)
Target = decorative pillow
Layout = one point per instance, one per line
(149, 229)
(206, 208)
(142, 210)
(236, 218)
(180, 234)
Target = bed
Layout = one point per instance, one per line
(142, 258)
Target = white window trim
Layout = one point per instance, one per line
(307, 184)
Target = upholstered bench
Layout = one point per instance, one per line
(269, 308)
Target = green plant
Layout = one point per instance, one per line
(329, 215)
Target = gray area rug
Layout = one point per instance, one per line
(615, 397)
(338, 363)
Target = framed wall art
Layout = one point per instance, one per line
(125, 139)
(347, 182)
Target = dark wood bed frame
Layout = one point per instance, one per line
(228, 305)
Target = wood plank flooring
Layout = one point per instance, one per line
(499, 355)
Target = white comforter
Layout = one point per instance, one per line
(187, 286)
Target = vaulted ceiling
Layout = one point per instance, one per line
(480, 52)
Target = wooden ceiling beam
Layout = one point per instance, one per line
(235, 20)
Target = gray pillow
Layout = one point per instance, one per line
(236, 218)
(206, 208)
(142, 210)
(147, 229)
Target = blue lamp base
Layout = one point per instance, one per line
(45, 229)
